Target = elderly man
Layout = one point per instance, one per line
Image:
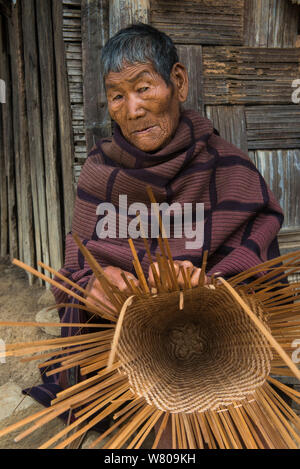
(183, 158)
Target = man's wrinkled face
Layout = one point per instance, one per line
(141, 103)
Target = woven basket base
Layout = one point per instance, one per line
(195, 359)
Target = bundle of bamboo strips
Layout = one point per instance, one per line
(196, 360)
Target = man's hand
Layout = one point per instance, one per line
(186, 265)
(114, 276)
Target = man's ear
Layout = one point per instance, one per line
(180, 80)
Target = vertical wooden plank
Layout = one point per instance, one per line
(26, 218)
(271, 23)
(35, 130)
(191, 57)
(8, 142)
(16, 131)
(122, 13)
(66, 140)
(3, 184)
(281, 170)
(3, 192)
(283, 23)
(49, 121)
(94, 21)
(230, 121)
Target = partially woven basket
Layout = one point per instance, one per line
(195, 359)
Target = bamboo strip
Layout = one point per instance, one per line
(263, 329)
(283, 387)
(99, 398)
(185, 280)
(143, 432)
(218, 423)
(274, 417)
(121, 412)
(116, 425)
(197, 432)
(283, 406)
(242, 426)
(76, 363)
(47, 418)
(21, 423)
(164, 238)
(127, 430)
(52, 324)
(90, 368)
(264, 266)
(211, 440)
(215, 428)
(201, 423)
(118, 330)
(178, 432)
(203, 270)
(189, 432)
(99, 273)
(162, 428)
(155, 418)
(75, 285)
(62, 342)
(99, 417)
(138, 267)
(235, 443)
(255, 435)
(173, 431)
(75, 388)
(63, 360)
(61, 287)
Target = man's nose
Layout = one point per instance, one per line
(134, 107)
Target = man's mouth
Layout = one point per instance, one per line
(145, 130)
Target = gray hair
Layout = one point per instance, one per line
(140, 43)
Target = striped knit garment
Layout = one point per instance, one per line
(242, 216)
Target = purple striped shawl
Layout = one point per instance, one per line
(242, 216)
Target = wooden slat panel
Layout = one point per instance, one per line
(35, 131)
(231, 123)
(122, 13)
(73, 45)
(8, 141)
(25, 215)
(273, 126)
(200, 21)
(281, 170)
(13, 48)
(64, 117)
(94, 35)
(271, 23)
(5, 7)
(240, 75)
(3, 195)
(191, 57)
(49, 123)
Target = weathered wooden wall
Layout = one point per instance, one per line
(36, 157)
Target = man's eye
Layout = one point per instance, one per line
(116, 98)
(144, 88)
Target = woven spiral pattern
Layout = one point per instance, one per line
(195, 359)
